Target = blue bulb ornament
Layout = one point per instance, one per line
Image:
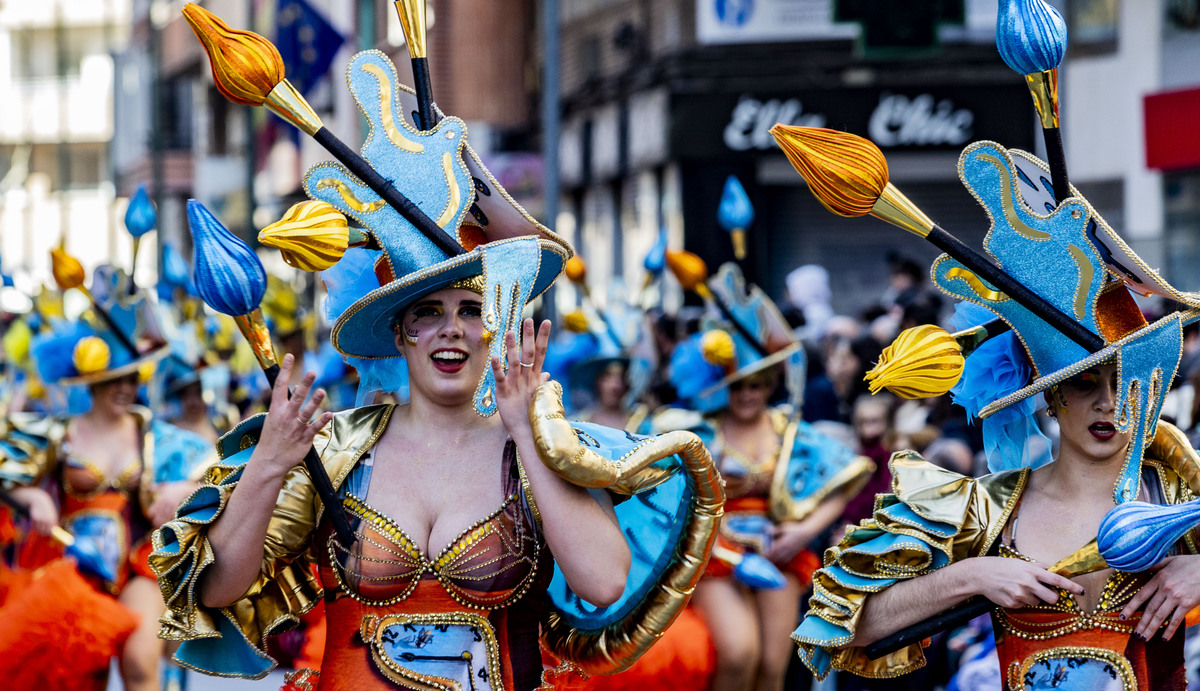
(140, 217)
(228, 275)
(1031, 35)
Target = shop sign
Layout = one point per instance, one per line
(910, 119)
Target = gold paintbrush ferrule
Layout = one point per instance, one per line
(254, 328)
(897, 209)
(286, 102)
(1086, 559)
(412, 20)
(1043, 86)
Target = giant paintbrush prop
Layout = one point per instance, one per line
(412, 20)
(68, 273)
(692, 273)
(1032, 39)
(248, 70)
(849, 176)
(231, 280)
(1133, 537)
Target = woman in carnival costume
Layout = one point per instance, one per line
(941, 538)
(473, 535)
(108, 475)
(786, 484)
(1062, 280)
(609, 367)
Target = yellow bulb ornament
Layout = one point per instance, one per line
(576, 322)
(311, 236)
(718, 348)
(923, 362)
(91, 355)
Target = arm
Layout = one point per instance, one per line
(790, 537)
(581, 531)
(238, 537)
(1007, 582)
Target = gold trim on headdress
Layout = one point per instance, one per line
(475, 284)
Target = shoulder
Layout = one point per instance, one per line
(944, 495)
(1176, 463)
(142, 416)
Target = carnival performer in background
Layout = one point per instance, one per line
(786, 484)
(104, 474)
(469, 533)
(1080, 344)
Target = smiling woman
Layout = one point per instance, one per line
(466, 503)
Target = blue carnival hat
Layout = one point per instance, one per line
(82, 353)
(1068, 255)
(516, 257)
(745, 335)
(622, 340)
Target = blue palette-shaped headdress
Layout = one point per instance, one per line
(53, 352)
(1069, 256)
(761, 339)
(437, 170)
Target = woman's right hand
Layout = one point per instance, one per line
(43, 514)
(290, 427)
(1016, 583)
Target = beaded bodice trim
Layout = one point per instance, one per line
(489, 565)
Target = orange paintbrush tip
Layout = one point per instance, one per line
(245, 66)
(847, 173)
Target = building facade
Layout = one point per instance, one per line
(56, 84)
(663, 101)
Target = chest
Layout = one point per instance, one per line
(99, 458)
(435, 496)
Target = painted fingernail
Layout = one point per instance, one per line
(1122, 617)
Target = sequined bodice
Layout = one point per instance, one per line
(489, 565)
(83, 479)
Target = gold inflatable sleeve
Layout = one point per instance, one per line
(619, 645)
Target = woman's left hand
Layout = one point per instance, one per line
(167, 498)
(787, 540)
(514, 390)
(1168, 596)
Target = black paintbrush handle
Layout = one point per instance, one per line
(1058, 163)
(955, 616)
(426, 118)
(388, 192)
(321, 481)
(1015, 290)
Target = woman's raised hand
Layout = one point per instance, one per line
(290, 426)
(514, 390)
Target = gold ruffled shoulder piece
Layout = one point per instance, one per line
(1171, 447)
(934, 517)
(231, 641)
(28, 448)
(617, 645)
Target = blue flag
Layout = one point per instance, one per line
(306, 41)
